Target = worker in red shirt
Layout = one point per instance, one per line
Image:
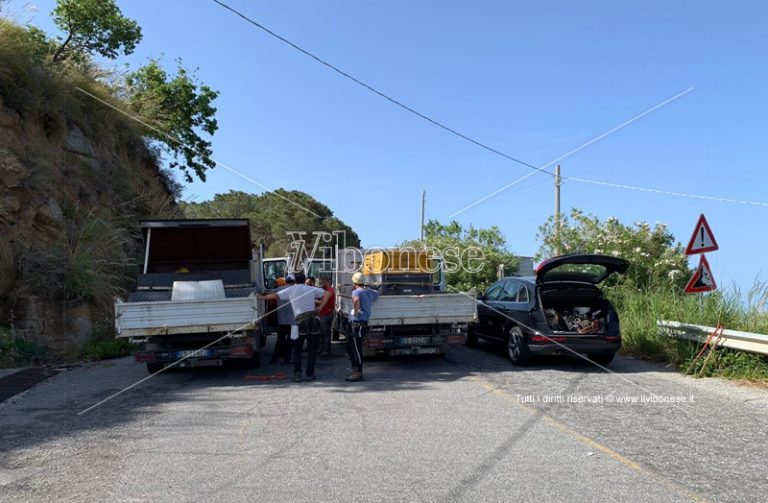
(325, 307)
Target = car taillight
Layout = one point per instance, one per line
(612, 338)
(456, 339)
(547, 338)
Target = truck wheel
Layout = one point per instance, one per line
(517, 347)
(253, 362)
(154, 367)
(471, 337)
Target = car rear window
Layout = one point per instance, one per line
(576, 272)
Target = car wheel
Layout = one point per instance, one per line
(154, 367)
(602, 358)
(471, 337)
(517, 347)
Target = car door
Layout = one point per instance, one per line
(485, 310)
(498, 309)
(519, 308)
(506, 307)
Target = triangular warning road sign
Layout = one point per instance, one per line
(702, 280)
(702, 240)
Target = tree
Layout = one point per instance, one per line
(177, 107)
(656, 261)
(273, 215)
(472, 256)
(93, 27)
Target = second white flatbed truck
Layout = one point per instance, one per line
(413, 315)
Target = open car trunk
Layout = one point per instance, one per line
(577, 308)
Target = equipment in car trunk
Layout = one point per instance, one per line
(582, 320)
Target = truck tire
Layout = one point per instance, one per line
(471, 337)
(254, 362)
(154, 367)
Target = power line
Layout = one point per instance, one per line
(380, 93)
(668, 192)
(483, 145)
(575, 150)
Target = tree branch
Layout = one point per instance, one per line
(63, 45)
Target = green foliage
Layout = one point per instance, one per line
(17, 351)
(639, 310)
(93, 27)
(656, 261)
(177, 107)
(728, 364)
(88, 264)
(49, 95)
(25, 84)
(101, 349)
(453, 242)
(273, 215)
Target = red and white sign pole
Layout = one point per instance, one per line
(702, 240)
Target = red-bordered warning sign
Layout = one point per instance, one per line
(702, 280)
(702, 240)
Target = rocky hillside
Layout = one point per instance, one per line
(72, 186)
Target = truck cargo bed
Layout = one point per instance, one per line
(419, 309)
(143, 319)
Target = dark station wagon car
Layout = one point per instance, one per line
(559, 311)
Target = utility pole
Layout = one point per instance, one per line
(423, 204)
(557, 210)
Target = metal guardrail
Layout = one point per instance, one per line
(731, 339)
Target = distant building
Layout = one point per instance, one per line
(525, 268)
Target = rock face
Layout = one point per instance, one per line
(69, 203)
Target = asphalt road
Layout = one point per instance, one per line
(467, 427)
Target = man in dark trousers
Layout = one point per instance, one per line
(362, 299)
(283, 349)
(306, 326)
(325, 309)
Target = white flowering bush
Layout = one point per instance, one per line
(657, 261)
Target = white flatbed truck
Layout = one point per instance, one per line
(196, 296)
(427, 320)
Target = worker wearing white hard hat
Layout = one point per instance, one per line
(362, 300)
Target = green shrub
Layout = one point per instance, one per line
(729, 364)
(19, 352)
(100, 349)
(639, 311)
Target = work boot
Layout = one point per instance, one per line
(310, 377)
(297, 377)
(354, 376)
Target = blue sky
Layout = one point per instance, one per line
(532, 79)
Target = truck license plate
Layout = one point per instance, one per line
(193, 353)
(413, 341)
